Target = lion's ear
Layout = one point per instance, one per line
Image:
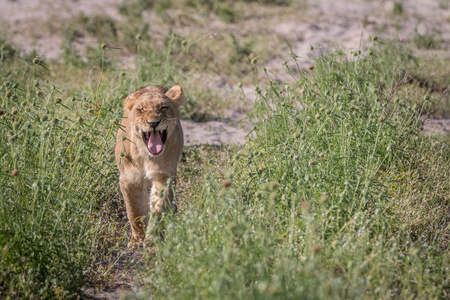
(175, 94)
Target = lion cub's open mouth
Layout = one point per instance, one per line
(155, 140)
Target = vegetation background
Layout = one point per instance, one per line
(317, 157)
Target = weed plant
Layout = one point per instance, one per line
(333, 197)
(62, 219)
(224, 9)
(58, 180)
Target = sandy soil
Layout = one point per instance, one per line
(326, 24)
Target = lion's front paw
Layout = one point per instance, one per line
(135, 243)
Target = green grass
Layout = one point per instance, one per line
(62, 215)
(56, 174)
(227, 11)
(337, 194)
(427, 41)
(343, 199)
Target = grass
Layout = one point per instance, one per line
(336, 200)
(63, 220)
(56, 175)
(336, 194)
(227, 11)
(426, 41)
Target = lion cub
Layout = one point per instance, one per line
(148, 148)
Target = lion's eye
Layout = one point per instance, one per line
(141, 110)
(163, 108)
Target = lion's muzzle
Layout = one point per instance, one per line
(153, 124)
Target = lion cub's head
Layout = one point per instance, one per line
(153, 115)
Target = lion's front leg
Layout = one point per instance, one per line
(161, 200)
(162, 195)
(136, 202)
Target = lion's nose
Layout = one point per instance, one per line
(154, 124)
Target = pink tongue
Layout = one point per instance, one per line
(155, 143)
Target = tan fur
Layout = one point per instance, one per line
(139, 169)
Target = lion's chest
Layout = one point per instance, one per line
(158, 169)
